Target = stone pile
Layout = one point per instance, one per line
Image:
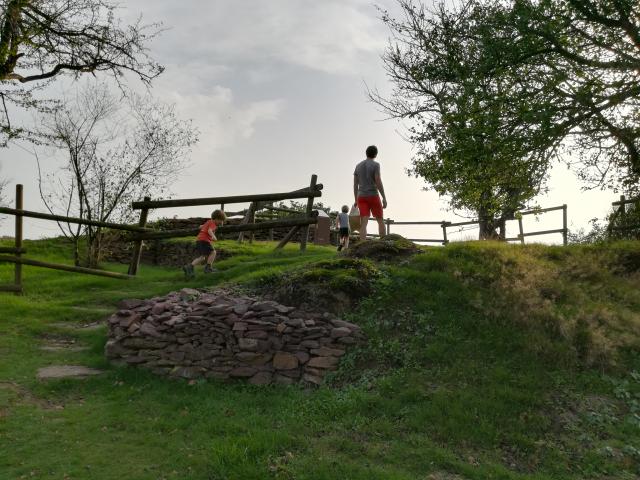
(194, 334)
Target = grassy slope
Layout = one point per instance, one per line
(484, 361)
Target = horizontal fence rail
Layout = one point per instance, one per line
(59, 266)
(77, 221)
(248, 227)
(265, 197)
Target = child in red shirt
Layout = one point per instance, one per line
(204, 246)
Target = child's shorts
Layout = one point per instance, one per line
(344, 232)
(203, 248)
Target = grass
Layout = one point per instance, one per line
(483, 361)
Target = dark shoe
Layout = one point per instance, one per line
(208, 269)
(188, 271)
(339, 247)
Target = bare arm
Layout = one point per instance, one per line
(212, 234)
(381, 190)
(355, 188)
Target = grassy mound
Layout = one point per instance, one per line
(389, 247)
(483, 361)
(335, 285)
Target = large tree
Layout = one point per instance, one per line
(42, 39)
(594, 46)
(479, 139)
(114, 150)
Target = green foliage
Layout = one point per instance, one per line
(455, 381)
(472, 121)
(590, 51)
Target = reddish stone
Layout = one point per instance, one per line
(285, 361)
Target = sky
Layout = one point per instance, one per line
(277, 90)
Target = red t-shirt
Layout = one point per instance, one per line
(204, 231)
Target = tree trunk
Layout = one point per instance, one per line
(76, 251)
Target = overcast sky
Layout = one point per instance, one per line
(277, 90)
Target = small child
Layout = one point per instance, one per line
(204, 246)
(343, 225)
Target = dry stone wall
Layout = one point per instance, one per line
(198, 334)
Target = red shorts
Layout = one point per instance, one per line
(370, 206)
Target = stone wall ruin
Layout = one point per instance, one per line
(220, 334)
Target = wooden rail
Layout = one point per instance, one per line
(18, 212)
(265, 197)
(521, 236)
(621, 212)
(57, 266)
(248, 227)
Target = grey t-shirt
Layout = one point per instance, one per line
(366, 172)
(343, 220)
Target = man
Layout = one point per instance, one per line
(366, 185)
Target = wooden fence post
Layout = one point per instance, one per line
(305, 229)
(521, 228)
(18, 240)
(137, 246)
(565, 232)
(287, 237)
(444, 233)
(388, 222)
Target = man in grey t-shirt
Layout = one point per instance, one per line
(366, 185)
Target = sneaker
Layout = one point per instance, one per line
(188, 271)
(208, 269)
(339, 247)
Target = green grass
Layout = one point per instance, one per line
(483, 360)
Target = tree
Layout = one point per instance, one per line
(479, 139)
(594, 46)
(43, 39)
(115, 152)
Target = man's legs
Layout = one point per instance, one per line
(381, 228)
(363, 227)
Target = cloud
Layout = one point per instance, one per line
(220, 117)
(328, 36)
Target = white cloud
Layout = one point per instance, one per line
(328, 36)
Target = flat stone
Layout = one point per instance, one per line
(341, 323)
(149, 329)
(316, 380)
(327, 352)
(285, 361)
(159, 308)
(66, 371)
(250, 344)
(323, 362)
(261, 378)
(130, 304)
(340, 332)
(259, 334)
(240, 309)
(239, 326)
(220, 310)
(282, 380)
(243, 372)
(189, 292)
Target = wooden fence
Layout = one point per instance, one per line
(139, 233)
(621, 211)
(520, 237)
